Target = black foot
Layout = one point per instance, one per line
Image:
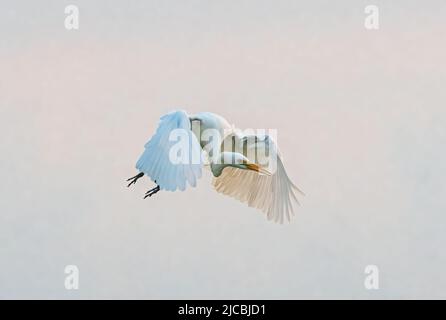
(151, 192)
(134, 179)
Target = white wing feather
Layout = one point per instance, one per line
(155, 162)
(274, 195)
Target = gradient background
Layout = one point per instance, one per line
(361, 122)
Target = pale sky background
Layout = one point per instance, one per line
(361, 122)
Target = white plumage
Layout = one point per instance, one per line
(255, 173)
(273, 194)
(155, 163)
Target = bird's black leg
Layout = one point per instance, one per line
(134, 179)
(151, 192)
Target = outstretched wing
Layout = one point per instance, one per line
(273, 194)
(162, 165)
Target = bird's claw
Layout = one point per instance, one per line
(133, 182)
(151, 192)
(134, 179)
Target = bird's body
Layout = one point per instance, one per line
(210, 121)
(246, 167)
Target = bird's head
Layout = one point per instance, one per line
(236, 160)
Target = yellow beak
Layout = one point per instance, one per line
(257, 168)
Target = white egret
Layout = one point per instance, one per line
(245, 172)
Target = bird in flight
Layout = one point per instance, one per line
(247, 167)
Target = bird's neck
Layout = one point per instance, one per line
(217, 169)
(226, 159)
